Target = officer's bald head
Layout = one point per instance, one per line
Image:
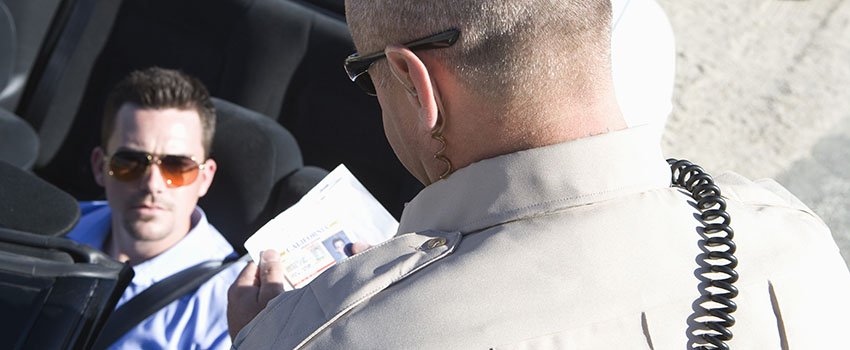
(508, 49)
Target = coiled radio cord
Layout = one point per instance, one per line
(720, 252)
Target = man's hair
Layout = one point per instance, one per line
(159, 88)
(508, 49)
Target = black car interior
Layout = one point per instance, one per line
(287, 114)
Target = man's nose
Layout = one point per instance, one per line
(153, 180)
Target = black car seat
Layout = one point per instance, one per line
(31, 20)
(30, 204)
(18, 141)
(336, 7)
(260, 172)
(7, 45)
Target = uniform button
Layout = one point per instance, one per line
(435, 243)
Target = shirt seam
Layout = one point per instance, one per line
(516, 211)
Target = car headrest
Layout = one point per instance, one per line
(30, 204)
(18, 141)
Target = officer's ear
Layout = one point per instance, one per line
(413, 76)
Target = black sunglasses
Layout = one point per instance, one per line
(127, 165)
(357, 66)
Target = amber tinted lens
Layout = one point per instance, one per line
(128, 165)
(178, 170)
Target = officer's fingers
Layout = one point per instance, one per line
(271, 276)
(358, 247)
(242, 299)
(246, 278)
(245, 288)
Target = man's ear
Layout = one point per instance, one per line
(414, 77)
(206, 176)
(97, 165)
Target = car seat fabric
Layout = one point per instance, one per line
(52, 97)
(18, 141)
(296, 185)
(333, 6)
(32, 20)
(30, 204)
(8, 45)
(256, 159)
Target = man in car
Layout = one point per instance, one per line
(154, 165)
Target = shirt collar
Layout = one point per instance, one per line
(521, 184)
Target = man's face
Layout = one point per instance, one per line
(147, 208)
(340, 247)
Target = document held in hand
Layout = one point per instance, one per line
(318, 230)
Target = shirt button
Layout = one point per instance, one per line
(435, 243)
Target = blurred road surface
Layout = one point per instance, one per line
(763, 88)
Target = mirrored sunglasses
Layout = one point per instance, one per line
(127, 165)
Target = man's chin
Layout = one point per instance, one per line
(148, 230)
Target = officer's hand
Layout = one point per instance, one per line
(252, 290)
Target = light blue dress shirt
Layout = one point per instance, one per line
(197, 320)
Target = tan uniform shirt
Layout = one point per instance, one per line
(580, 245)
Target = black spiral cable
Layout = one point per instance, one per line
(719, 248)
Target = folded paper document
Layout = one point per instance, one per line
(318, 230)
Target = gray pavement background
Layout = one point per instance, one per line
(762, 89)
